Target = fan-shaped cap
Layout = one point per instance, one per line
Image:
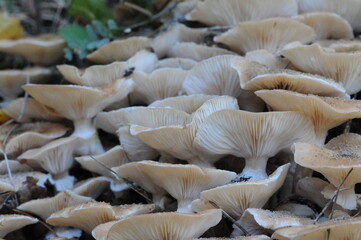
(310, 188)
(94, 76)
(235, 198)
(297, 82)
(253, 136)
(230, 12)
(160, 84)
(89, 215)
(325, 112)
(111, 121)
(345, 45)
(9, 223)
(332, 230)
(112, 158)
(12, 80)
(327, 25)
(178, 140)
(348, 9)
(177, 33)
(15, 167)
(258, 221)
(91, 187)
(184, 182)
(43, 50)
(33, 111)
(160, 226)
(196, 52)
(119, 50)
(344, 68)
(79, 102)
(181, 63)
(270, 34)
(29, 135)
(271, 61)
(334, 165)
(46, 206)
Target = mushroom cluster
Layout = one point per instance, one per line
(225, 114)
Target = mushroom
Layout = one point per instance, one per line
(44, 207)
(17, 180)
(258, 221)
(10, 223)
(344, 68)
(349, 9)
(184, 182)
(334, 165)
(91, 187)
(56, 157)
(44, 49)
(160, 226)
(270, 34)
(235, 198)
(181, 63)
(253, 136)
(216, 76)
(12, 80)
(325, 112)
(80, 104)
(332, 230)
(119, 50)
(230, 12)
(14, 166)
(87, 216)
(195, 51)
(266, 58)
(321, 22)
(27, 136)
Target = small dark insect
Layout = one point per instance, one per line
(129, 72)
(240, 179)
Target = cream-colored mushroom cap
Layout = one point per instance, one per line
(160, 226)
(332, 230)
(235, 198)
(270, 34)
(29, 135)
(181, 63)
(270, 60)
(178, 140)
(159, 84)
(157, 116)
(297, 82)
(184, 182)
(230, 12)
(196, 52)
(258, 221)
(310, 188)
(33, 111)
(119, 50)
(334, 165)
(348, 9)
(44, 49)
(325, 112)
(18, 180)
(46, 206)
(177, 33)
(15, 167)
(94, 76)
(9, 223)
(91, 187)
(253, 136)
(346, 45)
(344, 68)
(12, 80)
(89, 215)
(327, 25)
(112, 158)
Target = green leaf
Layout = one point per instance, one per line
(75, 35)
(100, 28)
(68, 54)
(91, 10)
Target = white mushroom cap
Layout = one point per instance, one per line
(230, 12)
(119, 50)
(235, 198)
(44, 49)
(181, 63)
(9, 223)
(271, 34)
(160, 226)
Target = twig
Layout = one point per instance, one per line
(138, 9)
(334, 197)
(234, 221)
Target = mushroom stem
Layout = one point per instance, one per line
(159, 200)
(62, 181)
(185, 206)
(83, 128)
(255, 168)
